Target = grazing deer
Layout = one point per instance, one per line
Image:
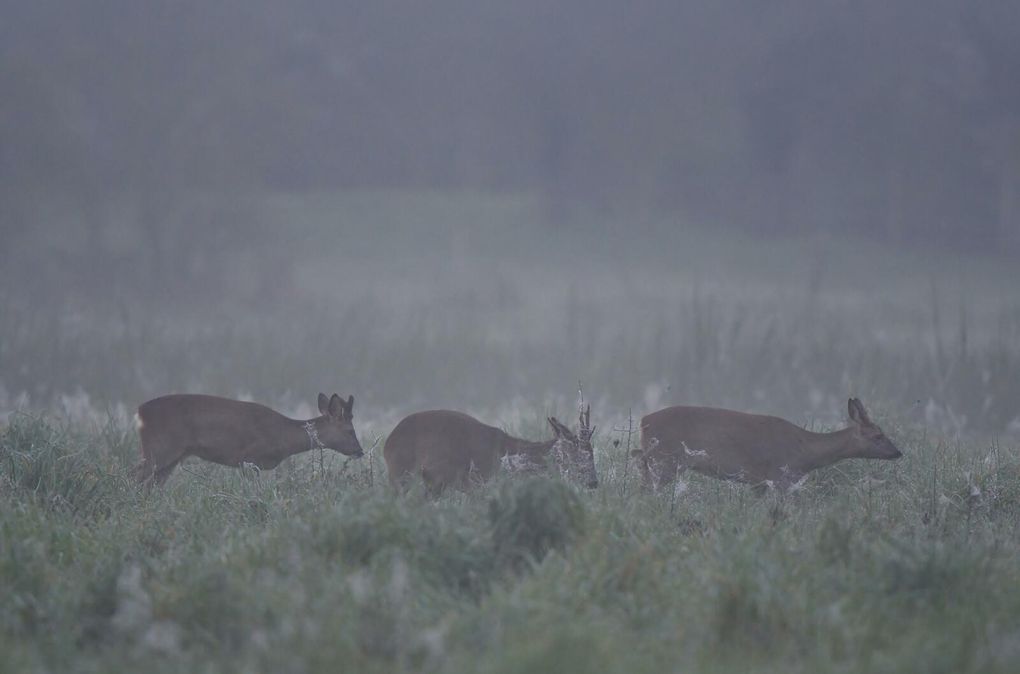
(231, 432)
(452, 449)
(760, 450)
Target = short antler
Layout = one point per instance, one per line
(585, 421)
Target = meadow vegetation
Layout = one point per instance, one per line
(417, 301)
(319, 566)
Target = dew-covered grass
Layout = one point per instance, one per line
(422, 301)
(906, 566)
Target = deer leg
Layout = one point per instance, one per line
(158, 460)
(678, 474)
(661, 472)
(433, 485)
(161, 474)
(143, 471)
(149, 474)
(400, 482)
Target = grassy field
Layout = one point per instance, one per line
(872, 567)
(412, 301)
(421, 301)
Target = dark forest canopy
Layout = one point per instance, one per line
(898, 119)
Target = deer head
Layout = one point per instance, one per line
(335, 427)
(868, 439)
(574, 454)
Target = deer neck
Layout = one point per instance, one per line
(311, 430)
(298, 436)
(826, 449)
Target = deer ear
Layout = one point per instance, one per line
(350, 405)
(323, 404)
(336, 406)
(862, 413)
(856, 411)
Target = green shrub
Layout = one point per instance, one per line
(531, 517)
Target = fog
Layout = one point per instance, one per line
(768, 206)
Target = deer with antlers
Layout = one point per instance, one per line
(452, 449)
(232, 432)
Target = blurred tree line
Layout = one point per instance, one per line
(900, 120)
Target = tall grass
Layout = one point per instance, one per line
(411, 301)
(911, 566)
(319, 566)
(722, 351)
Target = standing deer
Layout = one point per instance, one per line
(452, 449)
(231, 432)
(759, 450)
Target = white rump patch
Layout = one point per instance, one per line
(139, 424)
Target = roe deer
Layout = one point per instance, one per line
(760, 450)
(231, 432)
(452, 449)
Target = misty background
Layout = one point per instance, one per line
(768, 206)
